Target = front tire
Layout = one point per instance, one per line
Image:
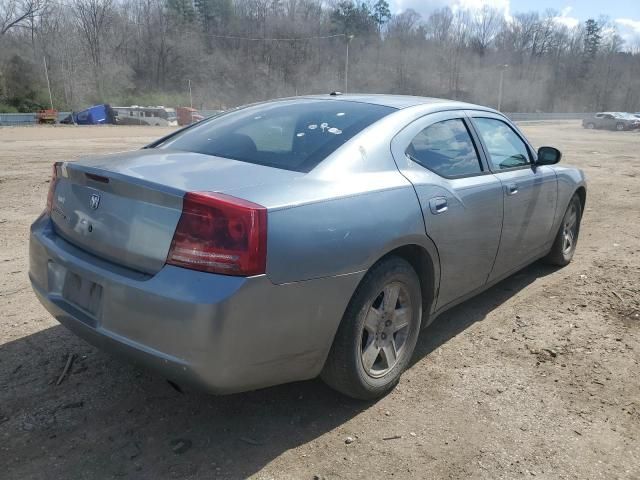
(591, 126)
(564, 245)
(378, 333)
(620, 127)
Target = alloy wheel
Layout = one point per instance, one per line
(385, 330)
(570, 229)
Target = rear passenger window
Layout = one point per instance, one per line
(445, 148)
(506, 149)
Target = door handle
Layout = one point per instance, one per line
(512, 189)
(438, 205)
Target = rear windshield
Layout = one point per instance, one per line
(293, 135)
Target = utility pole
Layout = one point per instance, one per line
(46, 74)
(346, 65)
(501, 85)
(190, 102)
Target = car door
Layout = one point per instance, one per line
(607, 121)
(461, 199)
(599, 120)
(529, 192)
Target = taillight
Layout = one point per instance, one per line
(52, 186)
(219, 233)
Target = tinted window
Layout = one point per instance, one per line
(293, 135)
(506, 149)
(445, 148)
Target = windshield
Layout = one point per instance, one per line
(293, 135)
(171, 114)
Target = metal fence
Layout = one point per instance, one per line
(527, 117)
(24, 118)
(9, 119)
(30, 118)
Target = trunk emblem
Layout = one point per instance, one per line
(94, 201)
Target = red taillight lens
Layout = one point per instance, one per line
(219, 233)
(52, 186)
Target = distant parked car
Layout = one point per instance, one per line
(612, 121)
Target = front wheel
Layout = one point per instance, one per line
(378, 333)
(564, 245)
(591, 126)
(619, 127)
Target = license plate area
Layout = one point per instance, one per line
(82, 293)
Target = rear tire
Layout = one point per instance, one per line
(376, 338)
(564, 245)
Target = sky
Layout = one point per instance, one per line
(625, 14)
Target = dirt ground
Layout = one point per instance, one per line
(536, 377)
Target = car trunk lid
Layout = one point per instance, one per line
(125, 207)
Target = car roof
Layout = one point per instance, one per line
(394, 101)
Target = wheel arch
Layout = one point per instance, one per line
(426, 266)
(423, 258)
(422, 262)
(582, 195)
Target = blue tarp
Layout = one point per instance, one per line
(95, 115)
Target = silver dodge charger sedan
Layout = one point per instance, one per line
(299, 237)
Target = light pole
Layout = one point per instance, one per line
(46, 74)
(190, 102)
(501, 85)
(346, 65)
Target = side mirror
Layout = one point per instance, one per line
(548, 156)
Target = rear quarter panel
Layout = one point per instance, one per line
(569, 180)
(342, 235)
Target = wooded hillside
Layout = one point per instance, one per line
(239, 51)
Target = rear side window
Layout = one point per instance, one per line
(445, 148)
(293, 135)
(506, 149)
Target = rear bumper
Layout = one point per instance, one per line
(220, 333)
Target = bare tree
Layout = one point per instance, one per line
(93, 18)
(486, 24)
(18, 13)
(404, 24)
(439, 24)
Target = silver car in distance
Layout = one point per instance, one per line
(298, 237)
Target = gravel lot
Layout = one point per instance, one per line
(536, 377)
